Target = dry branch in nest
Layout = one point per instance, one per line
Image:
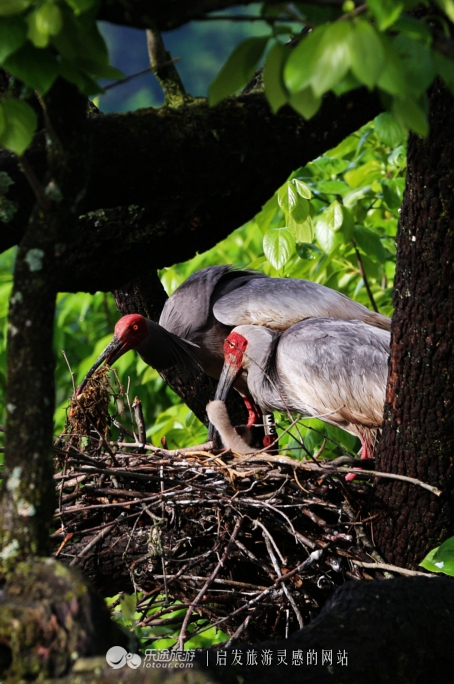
(88, 411)
(255, 545)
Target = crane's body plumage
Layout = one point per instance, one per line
(200, 314)
(328, 368)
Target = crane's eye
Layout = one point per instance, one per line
(135, 327)
(231, 345)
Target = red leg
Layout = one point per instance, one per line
(365, 453)
(252, 411)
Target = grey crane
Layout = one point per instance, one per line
(327, 368)
(200, 314)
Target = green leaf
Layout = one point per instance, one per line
(49, 19)
(300, 211)
(8, 7)
(308, 251)
(302, 61)
(325, 234)
(287, 197)
(279, 246)
(441, 559)
(414, 29)
(333, 187)
(411, 114)
(348, 223)
(445, 69)
(364, 174)
(238, 70)
(333, 216)
(370, 243)
(367, 53)
(19, 125)
(389, 130)
(333, 57)
(392, 78)
(393, 191)
(37, 68)
(39, 39)
(386, 12)
(305, 103)
(275, 89)
(13, 34)
(419, 68)
(302, 188)
(398, 157)
(448, 7)
(303, 232)
(80, 6)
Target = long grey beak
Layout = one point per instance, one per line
(226, 380)
(111, 353)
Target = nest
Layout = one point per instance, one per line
(254, 545)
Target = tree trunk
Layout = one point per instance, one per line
(418, 433)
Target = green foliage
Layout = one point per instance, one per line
(129, 613)
(381, 48)
(441, 559)
(39, 41)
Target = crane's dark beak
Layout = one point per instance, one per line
(111, 353)
(227, 378)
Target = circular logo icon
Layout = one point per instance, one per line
(133, 660)
(116, 657)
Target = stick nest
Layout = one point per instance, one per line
(254, 544)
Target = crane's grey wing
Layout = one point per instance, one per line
(189, 310)
(336, 370)
(279, 303)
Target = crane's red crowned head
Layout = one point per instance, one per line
(234, 347)
(129, 331)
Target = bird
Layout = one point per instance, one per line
(200, 314)
(218, 416)
(332, 369)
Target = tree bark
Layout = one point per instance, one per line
(27, 501)
(161, 185)
(418, 433)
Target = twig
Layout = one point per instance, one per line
(364, 277)
(182, 637)
(70, 370)
(393, 568)
(140, 422)
(90, 545)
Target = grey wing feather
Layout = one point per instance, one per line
(189, 309)
(279, 303)
(335, 369)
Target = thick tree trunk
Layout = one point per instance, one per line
(418, 434)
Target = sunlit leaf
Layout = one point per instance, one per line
(333, 57)
(393, 190)
(418, 64)
(13, 34)
(19, 125)
(364, 174)
(448, 7)
(392, 77)
(367, 53)
(411, 114)
(301, 64)
(275, 89)
(278, 245)
(386, 12)
(441, 559)
(305, 103)
(302, 188)
(238, 70)
(8, 7)
(37, 68)
(370, 243)
(389, 130)
(80, 6)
